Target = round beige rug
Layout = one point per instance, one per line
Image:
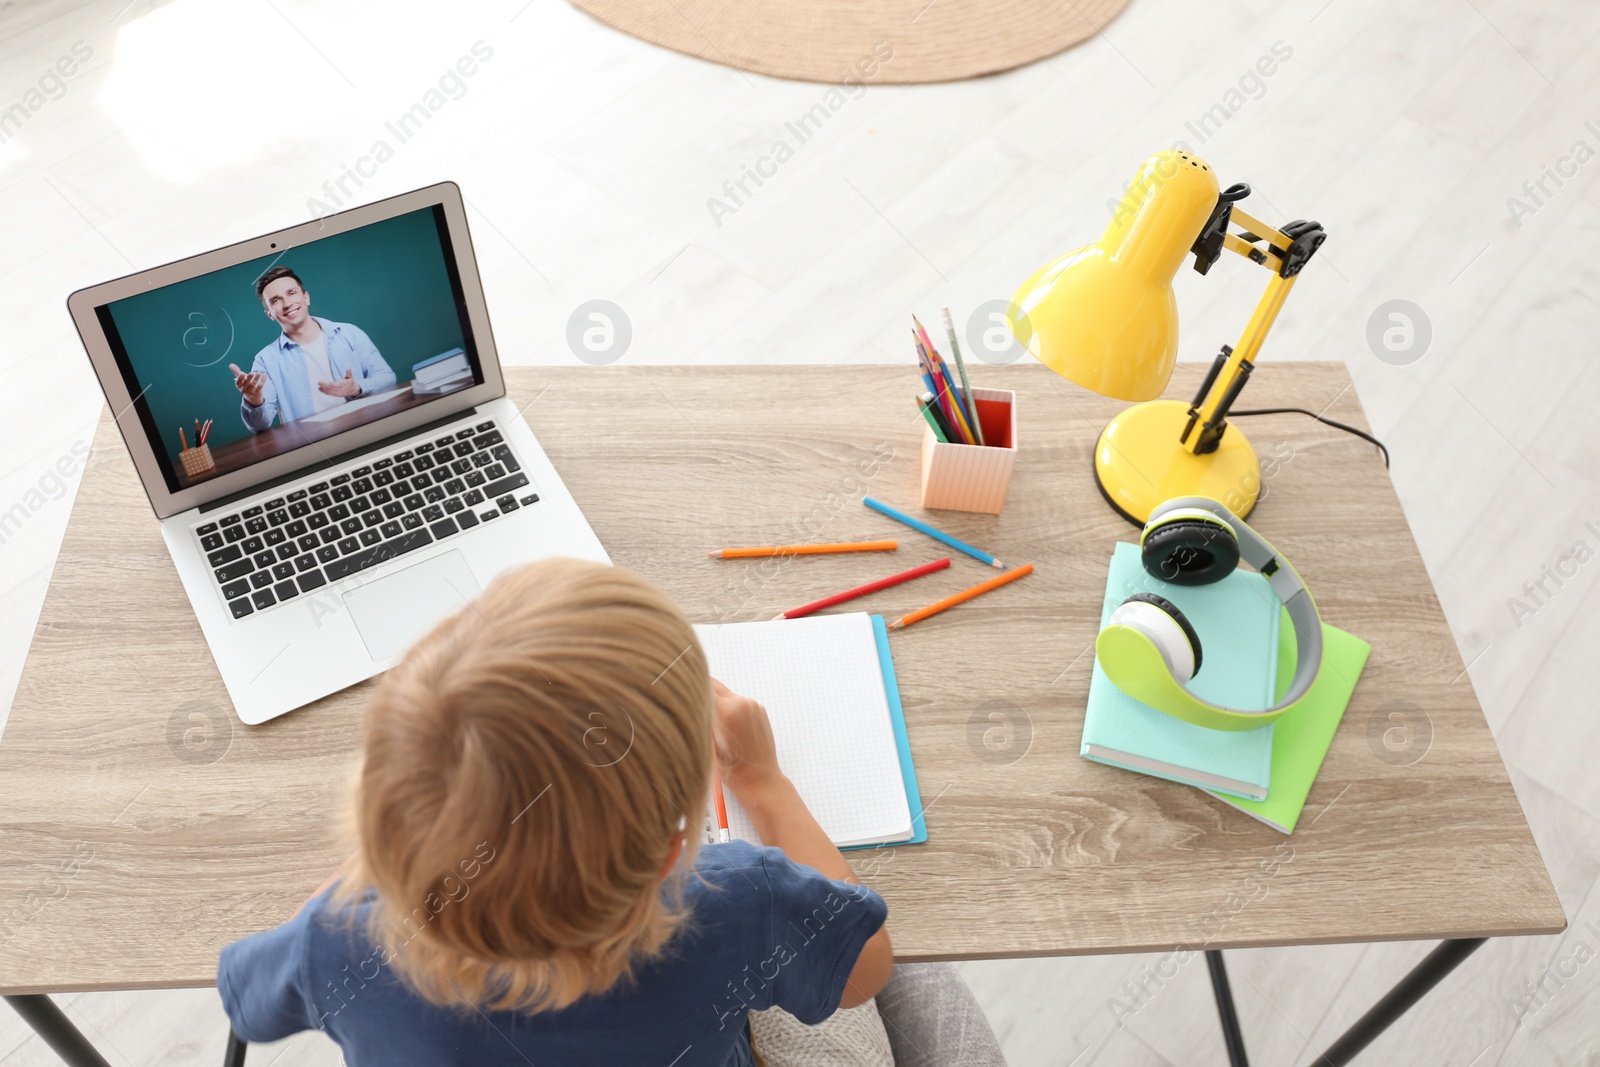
(895, 42)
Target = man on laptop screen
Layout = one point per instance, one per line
(326, 505)
(314, 365)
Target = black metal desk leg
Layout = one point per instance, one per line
(52, 1024)
(236, 1050)
(1412, 988)
(1231, 1035)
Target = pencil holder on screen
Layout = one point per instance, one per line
(973, 477)
(197, 460)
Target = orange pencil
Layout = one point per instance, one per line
(804, 550)
(723, 833)
(967, 594)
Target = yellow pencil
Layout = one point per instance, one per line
(966, 594)
(804, 550)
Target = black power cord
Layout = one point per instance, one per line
(1364, 435)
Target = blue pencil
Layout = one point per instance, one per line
(944, 397)
(959, 546)
(956, 399)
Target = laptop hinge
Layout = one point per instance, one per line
(343, 457)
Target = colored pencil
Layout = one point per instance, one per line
(724, 835)
(933, 397)
(956, 402)
(930, 404)
(933, 423)
(803, 550)
(937, 535)
(962, 597)
(943, 385)
(961, 368)
(932, 379)
(924, 335)
(181, 439)
(928, 373)
(938, 379)
(863, 590)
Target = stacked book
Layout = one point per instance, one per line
(1249, 660)
(443, 373)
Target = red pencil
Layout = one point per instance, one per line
(863, 590)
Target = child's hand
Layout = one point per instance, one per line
(747, 756)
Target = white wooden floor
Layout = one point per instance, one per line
(588, 159)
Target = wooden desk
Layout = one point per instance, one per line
(1032, 850)
(287, 436)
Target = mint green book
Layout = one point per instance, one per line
(1300, 739)
(1238, 623)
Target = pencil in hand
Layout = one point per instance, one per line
(724, 835)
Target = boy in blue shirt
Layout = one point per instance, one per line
(528, 886)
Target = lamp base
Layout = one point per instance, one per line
(1139, 463)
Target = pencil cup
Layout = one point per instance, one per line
(973, 477)
(197, 460)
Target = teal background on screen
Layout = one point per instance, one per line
(388, 278)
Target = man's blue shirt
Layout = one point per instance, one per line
(288, 392)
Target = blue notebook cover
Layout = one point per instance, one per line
(908, 772)
(1237, 620)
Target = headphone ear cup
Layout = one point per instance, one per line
(1168, 629)
(1190, 552)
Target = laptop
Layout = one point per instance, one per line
(319, 420)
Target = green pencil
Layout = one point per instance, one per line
(970, 401)
(933, 423)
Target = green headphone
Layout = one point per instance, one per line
(1149, 649)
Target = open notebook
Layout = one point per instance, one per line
(828, 685)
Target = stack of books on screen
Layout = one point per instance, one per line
(1249, 658)
(443, 373)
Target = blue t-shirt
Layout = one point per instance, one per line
(763, 931)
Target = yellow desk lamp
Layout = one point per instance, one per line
(1104, 316)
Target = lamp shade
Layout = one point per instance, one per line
(1104, 316)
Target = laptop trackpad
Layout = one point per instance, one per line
(394, 611)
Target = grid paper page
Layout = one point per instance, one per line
(822, 685)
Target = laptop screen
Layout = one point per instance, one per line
(264, 357)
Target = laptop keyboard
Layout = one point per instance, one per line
(271, 552)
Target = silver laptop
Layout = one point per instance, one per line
(319, 420)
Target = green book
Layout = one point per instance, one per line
(1300, 739)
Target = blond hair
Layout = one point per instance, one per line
(527, 769)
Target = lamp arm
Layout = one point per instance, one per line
(1251, 230)
(1286, 253)
(1210, 409)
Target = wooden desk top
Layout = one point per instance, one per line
(132, 851)
(288, 436)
